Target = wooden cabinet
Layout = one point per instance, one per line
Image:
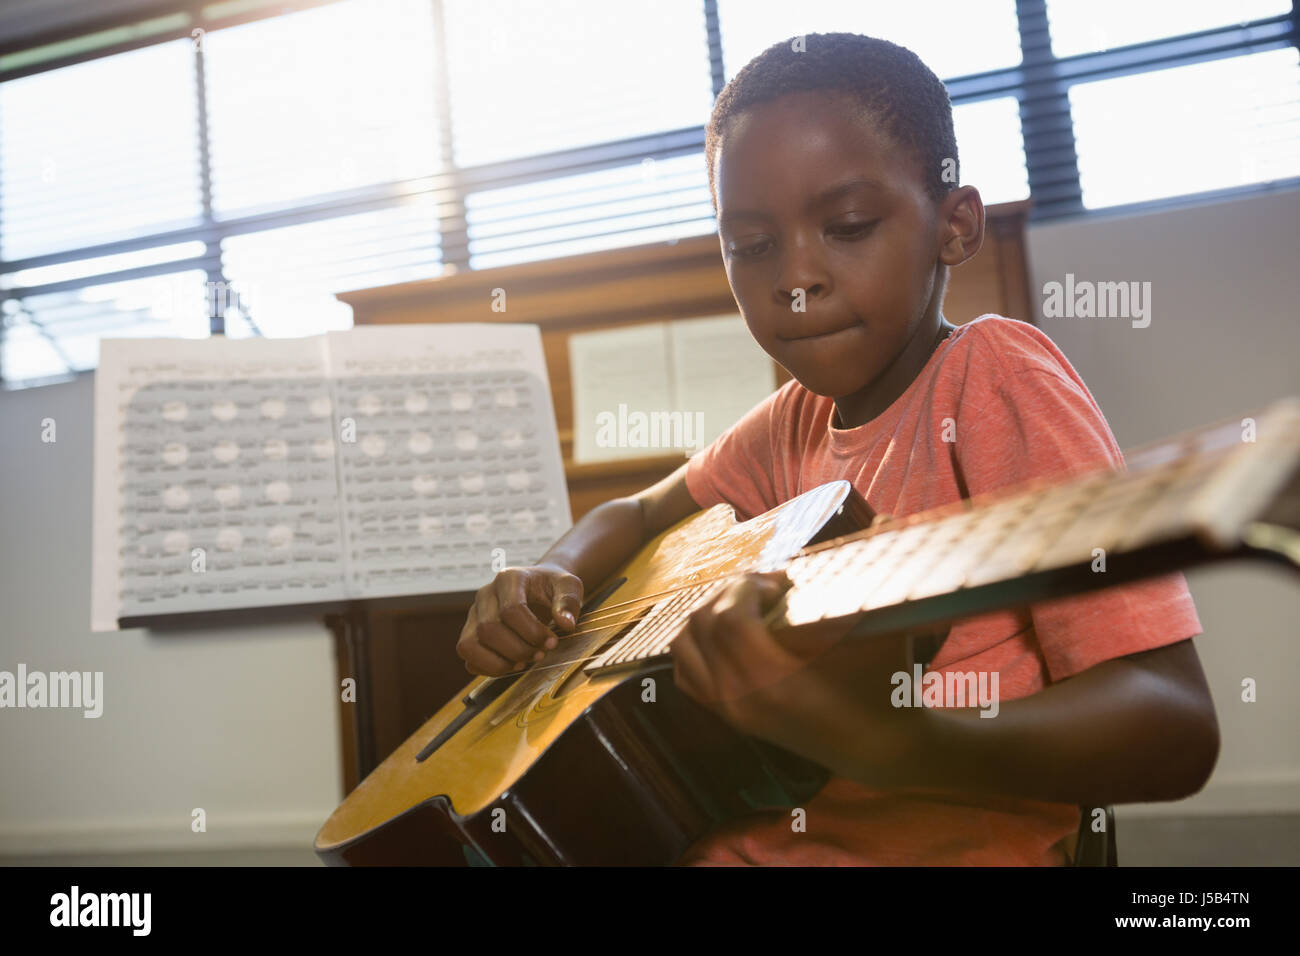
(402, 651)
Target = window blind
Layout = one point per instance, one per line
(101, 151)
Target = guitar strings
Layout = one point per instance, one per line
(882, 525)
(611, 612)
(549, 663)
(624, 612)
(631, 608)
(603, 612)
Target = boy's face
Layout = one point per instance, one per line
(813, 195)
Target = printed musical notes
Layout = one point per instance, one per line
(375, 462)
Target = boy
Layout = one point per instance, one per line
(838, 226)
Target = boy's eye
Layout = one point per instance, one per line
(749, 247)
(851, 229)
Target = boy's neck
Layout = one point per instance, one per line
(864, 405)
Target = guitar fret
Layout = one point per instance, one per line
(662, 645)
(613, 651)
(854, 592)
(804, 568)
(844, 560)
(1023, 545)
(1103, 522)
(857, 554)
(992, 529)
(656, 621)
(622, 650)
(1169, 516)
(951, 571)
(658, 628)
(692, 600)
(808, 602)
(1041, 529)
(869, 584)
(826, 596)
(664, 640)
(906, 576)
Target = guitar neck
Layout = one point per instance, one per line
(1215, 493)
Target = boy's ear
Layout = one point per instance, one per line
(961, 225)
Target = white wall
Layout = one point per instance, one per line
(241, 723)
(1224, 339)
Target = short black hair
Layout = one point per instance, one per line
(890, 81)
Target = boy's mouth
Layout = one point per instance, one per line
(807, 336)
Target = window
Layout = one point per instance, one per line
(1190, 129)
(991, 149)
(989, 140)
(322, 134)
(636, 69)
(941, 34)
(649, 201)
(333, 107)
(230, 167)
(101, 151)
(641, 72)
(1089, 26)
(48, 333)
(282, 281)
(320, 102)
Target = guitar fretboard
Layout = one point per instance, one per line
(1181, 501)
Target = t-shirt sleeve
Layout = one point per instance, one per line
(736, 468)
(1038, 423)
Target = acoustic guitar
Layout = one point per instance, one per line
(592, 756)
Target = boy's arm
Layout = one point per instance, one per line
(1130, 730)
(1137, 728)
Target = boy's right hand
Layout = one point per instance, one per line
(507, 626)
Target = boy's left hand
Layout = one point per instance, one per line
(800, 688)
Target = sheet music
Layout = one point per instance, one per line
(663, 388)
(455, 463)
(215, 477)
(625, 367)
(376, 462)
(717, 367)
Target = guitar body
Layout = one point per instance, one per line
(621, 767)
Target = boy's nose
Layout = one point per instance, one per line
(792, 292)
(803, 275)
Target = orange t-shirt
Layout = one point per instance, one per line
(1017, 410)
